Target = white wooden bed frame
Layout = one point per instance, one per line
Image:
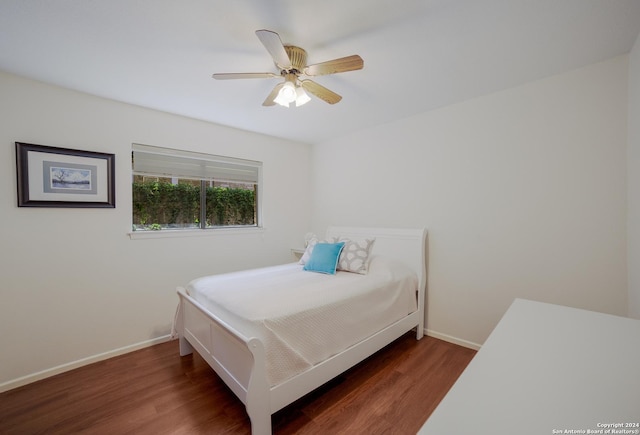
(241, 363)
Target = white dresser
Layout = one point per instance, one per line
(547, 369)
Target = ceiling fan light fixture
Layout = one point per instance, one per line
(281, 101)
(301, 97)
(287, 94)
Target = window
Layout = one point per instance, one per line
(176, 190)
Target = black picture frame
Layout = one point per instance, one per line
(62, 177)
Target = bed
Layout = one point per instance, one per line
(272, 353)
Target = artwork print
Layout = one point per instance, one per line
(69, 178)
(62, 177)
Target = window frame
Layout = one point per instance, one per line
(199, 159)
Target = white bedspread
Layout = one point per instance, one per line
(305, 317)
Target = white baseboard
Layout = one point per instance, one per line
(24, 380)
(451, 339)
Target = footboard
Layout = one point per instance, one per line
(239, 361)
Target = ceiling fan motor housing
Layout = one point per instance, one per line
(298, 57)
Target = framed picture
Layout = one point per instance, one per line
(62, 177)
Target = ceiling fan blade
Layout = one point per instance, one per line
(229, 76)
(272, 96)
(273, 44)
(320, 91)
(349, 63)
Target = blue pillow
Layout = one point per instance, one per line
(324, 258)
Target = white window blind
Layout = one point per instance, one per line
(177, 163)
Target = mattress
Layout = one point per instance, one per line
(303, 317)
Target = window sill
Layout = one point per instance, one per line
(168, 234)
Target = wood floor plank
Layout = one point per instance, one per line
(155, 391)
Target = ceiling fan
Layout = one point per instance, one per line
(292, 63)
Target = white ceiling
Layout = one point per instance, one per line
(418, 54)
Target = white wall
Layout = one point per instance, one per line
(523, 193)
(633, 167)
(73, 284)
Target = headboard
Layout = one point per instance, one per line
(406, 245)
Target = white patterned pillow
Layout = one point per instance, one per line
(309, 249)
(355, 255)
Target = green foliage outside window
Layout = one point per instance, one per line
(161, 204)
(230, 206)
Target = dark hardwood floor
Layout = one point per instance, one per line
(155, 391)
